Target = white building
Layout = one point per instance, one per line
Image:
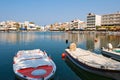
(2, 24)
(93, 21)
(111, 19)
(46, 27)
(78, 24)
(29, 25)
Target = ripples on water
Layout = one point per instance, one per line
(54, 44)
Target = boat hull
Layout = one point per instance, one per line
(51, 76)
(83, 74)
(104, 72)
(111, 55)
(17, 77)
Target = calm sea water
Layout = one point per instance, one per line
(54, 43)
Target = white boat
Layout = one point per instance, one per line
(113, 53)
(33, 65)
(94, 63)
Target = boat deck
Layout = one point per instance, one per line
(30, 54)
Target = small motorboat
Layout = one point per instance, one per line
(111, 52)
(33, 65)
(94, 63)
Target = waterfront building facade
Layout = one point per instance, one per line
(75, 24)
(16, 26)
(78, 24)
(93, 21)
(111, 19)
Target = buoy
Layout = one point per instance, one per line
(95, 40)
(66, 41)
(63, 55)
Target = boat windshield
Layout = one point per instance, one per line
(118, 51)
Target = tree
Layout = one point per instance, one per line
(25, 27)
(31, 22)
(51, 27)
(97, 27)
(17, 25)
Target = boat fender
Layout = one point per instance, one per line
(95, 40)
(63, 55)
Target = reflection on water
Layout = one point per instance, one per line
(90, 41)
(93, 41)
(14, 37)
(84, 75)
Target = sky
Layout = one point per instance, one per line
(45, 12)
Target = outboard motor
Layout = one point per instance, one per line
(110, 47)
(73, 47)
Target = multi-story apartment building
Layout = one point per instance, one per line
(78, 24)
(93, 21)
(111, 19)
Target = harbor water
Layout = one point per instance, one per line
(54, 43)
